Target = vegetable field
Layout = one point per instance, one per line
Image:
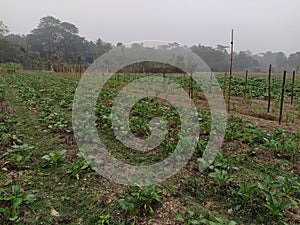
(44, 179)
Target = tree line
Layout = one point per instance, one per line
(56, 45)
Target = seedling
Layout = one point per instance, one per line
(74, 169)
(222, 176)
(290, 185)
(54, 158)
(246, 190)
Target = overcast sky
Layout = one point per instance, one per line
(259, 25)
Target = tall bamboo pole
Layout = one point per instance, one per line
(282, 96)
(224, 87)
(245, 86)
(293, 86)
(269, 88)
(230, 72)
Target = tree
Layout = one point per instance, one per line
(217, 60)
(222, 48)
(244, 60)
(55, 37)
(10, 52)
(294, 61)
(102, 47)
(3, 29)
(281, 61)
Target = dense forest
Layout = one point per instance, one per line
(57, 45)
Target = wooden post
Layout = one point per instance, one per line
(210, 83)
(282, 96)
(269, 88)
(191, 86)
(224, 87)
(246, 81)
(230, 72)
(293, 85)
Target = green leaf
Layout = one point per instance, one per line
(13, 218)
(191, 213)
(5, 211)
(179, 217)
(8, 182)
(237, 208)
(15, 189)
(62, 152)
(46, 157)
(17, 202)
(30, 198)
(196, 222)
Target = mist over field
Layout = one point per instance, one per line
(265, 32)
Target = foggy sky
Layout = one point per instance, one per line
(259, 25)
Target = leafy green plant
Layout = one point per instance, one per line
(104, 220)
(19, 155)
(275, 201)
(201, 145)
(245, 191)
(75, 168)
(290, 185)
(141, 199)
(168, 146)
(11, 138)
(11, 66)
(190, 219)
(19, 160)
(221, 176)
(14, 198)
(215, 220)
(282, 142)
(21, 149)
(231, 130)
(54, 158)
(56, 122)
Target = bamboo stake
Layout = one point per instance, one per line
(246, 81)
(293, 85)
(210, 82)
(191, 86)
(269, 88)
(282, 96)
(224, 87)
(230, 77)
